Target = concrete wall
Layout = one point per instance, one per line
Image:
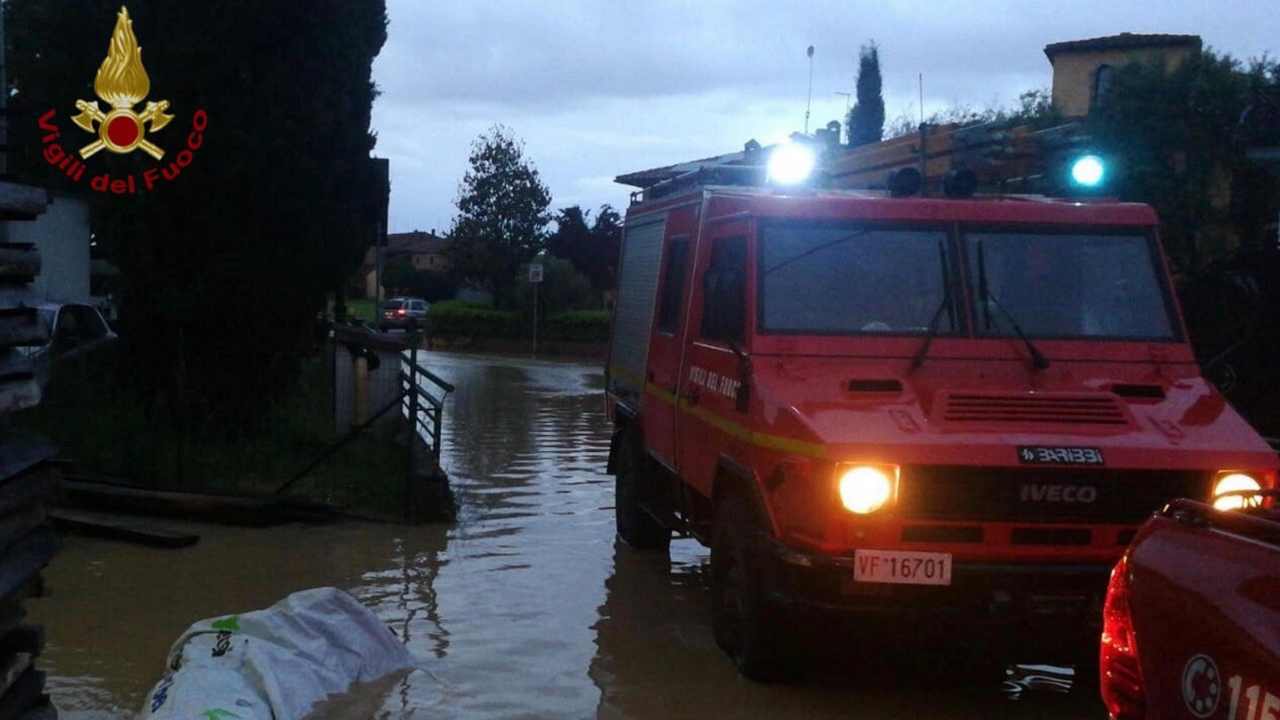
(1073, 72)
(62, 236)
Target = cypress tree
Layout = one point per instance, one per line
(866, 119)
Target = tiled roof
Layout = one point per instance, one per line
(1123, 41)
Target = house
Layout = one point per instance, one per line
(425, 251)
(1083, 69)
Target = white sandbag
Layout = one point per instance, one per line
(275, 663)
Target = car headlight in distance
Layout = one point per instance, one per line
(1234, 482)
(866, 488)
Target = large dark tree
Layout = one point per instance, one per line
(502, 213)
(1176, 143)
(866, 119)
(225, 268)
(593, 249)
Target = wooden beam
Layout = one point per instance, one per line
(21, 326)
(117, 528)
(19, 261)
(22, 200)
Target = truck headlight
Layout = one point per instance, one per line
(1235, 482)
(867, 488)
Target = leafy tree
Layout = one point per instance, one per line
(502, 213)
(563, 288)
(1176, 143)
(225, 268)
(593, 249)
(866, 119)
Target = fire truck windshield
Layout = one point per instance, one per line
(828, 279)
(1069, 285)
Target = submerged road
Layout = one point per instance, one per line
(526, 607)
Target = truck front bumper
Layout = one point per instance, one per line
(1038, 598)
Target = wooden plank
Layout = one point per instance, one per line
(221, 509)
(25, 559)
(20, 455)
(21, 326)
(99, 525)
(26, 693)
(11, 668)
(15, 526)
(19, 260)
(21, 200)
(30, 489)
(23, 639)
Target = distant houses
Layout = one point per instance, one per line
(424, 250)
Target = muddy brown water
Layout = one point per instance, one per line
(526, 607)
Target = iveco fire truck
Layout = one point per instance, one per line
(875, 402)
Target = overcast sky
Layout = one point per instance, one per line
(597, 88)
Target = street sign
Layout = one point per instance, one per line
(535, 273)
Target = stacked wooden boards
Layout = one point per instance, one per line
(28, 478)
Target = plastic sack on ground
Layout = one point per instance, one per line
(275, 663)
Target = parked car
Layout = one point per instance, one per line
(73, 329)
(1191, 615)
(403, 312)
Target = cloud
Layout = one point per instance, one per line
(597, 88)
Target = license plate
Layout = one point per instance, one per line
(902, 567)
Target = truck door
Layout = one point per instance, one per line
(665, 349)
(710, 422)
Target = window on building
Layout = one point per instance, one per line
(673, 286)
(1102, 79)
(724, 291)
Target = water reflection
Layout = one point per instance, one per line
(525, 607)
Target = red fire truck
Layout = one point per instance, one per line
(867, 403)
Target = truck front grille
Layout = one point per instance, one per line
(1043, 494)
(1040, 409)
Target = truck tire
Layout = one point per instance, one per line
(745, 623)
(635, 526)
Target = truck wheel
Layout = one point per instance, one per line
(745, 624)
(637, 527)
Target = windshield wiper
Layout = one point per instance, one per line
(946, 304)
(817, 248)
(1038, 360)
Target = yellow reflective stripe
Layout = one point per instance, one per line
(735, 430)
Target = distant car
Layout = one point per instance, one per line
(1190, 619)
(402, 312)
(73, 329)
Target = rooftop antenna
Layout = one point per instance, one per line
(848, 100)
(809, 102)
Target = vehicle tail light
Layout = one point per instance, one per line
(400, 311)
(1120, 673)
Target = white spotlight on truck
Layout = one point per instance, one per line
(791, 163)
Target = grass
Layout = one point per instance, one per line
(362, 309)
(106, 431)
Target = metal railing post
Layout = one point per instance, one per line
(413, 424)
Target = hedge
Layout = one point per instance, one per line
(454, 318)
(581, 325)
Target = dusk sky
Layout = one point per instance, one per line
(596, 88)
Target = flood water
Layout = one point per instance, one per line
(526, 607)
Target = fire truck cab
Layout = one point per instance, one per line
(868, 404)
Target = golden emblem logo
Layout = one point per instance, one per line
(122, 83)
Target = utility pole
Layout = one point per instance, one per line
(809, 101)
